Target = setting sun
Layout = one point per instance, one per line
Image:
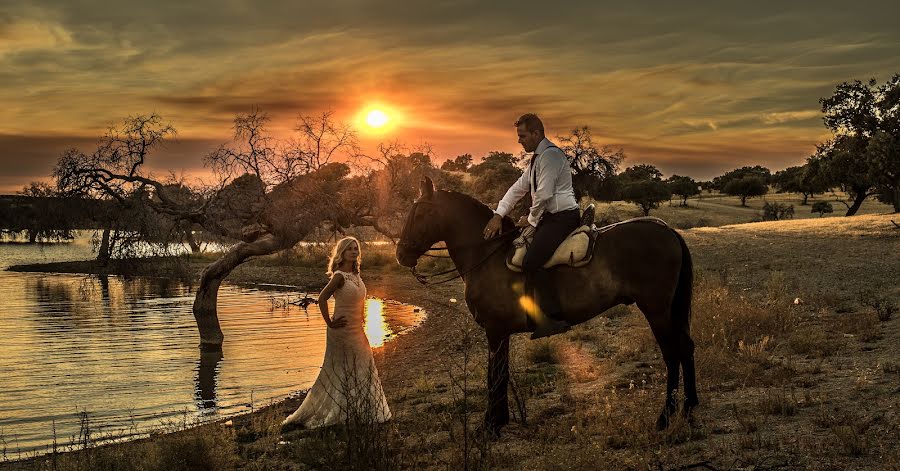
(377, 118)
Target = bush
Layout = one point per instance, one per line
(822, 207)
(777, 211)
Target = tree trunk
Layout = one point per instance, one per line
(192, 242)
(205, 302)
(857, 202)
(743, 201)
(32, 236)
(896, 200)
(103, 250)
(805, 196)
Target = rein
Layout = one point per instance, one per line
(426, 278)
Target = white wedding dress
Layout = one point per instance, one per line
(348, 387)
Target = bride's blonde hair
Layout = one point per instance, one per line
(337, 255)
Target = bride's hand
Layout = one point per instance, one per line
(338, 323)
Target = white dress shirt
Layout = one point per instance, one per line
(553, 192)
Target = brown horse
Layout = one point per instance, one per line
(638, 261)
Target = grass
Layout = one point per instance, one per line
(796, 363)
(715, 209)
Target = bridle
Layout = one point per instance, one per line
(426, 279)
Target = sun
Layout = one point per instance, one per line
(377, 119)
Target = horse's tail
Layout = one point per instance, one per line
(681, 317)
(681, 302)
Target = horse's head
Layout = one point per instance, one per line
(422, 228)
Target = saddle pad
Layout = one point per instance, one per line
(574, 251)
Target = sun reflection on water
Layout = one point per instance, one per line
(376, 327)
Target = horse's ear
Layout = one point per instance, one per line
(426, 190)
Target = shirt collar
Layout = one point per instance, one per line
(542, 146)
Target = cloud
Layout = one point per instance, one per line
(688, 78)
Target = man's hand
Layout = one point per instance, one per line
(523, 222)
(493, 227)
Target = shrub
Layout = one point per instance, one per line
(822, 207)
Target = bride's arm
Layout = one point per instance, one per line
(337, 280)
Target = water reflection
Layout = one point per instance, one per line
(207, 369)
(375, 326)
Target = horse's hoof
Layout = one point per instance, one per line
(490, 431)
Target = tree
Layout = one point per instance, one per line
(799, 179)
(758, 171)
(268, 196)
(746, 187)
(115, 172)
(643, 186)
(591, 165)
(862, 157)
(460, 164)
(45, 221)
(685, 187)
(493, 176)
(822, 207)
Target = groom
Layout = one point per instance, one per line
(552, 217)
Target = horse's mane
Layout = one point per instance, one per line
(469, 203)
(464, 199)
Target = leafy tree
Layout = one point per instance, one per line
(460, 164)
(494, 175)
(643, 186)
(799, 179)
(44, 219)
(758, 171)
(862, 157)
(592, 165)
(822, 207)
(746, 187)
(685, 187)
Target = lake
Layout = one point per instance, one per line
(125, 351)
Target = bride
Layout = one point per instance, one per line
(348, 388)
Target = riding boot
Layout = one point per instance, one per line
(548, 320)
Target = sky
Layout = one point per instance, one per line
(696, 88)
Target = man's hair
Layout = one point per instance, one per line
(532, 123)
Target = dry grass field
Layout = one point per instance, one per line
(714, 209)
(798, 351)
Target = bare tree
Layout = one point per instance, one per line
(591, 165)
(268, 194)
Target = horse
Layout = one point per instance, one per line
(637, 261)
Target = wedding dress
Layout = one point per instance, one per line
(348, 387)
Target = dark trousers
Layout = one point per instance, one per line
(550, 232)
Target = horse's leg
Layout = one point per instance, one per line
(669, 344)
(497, 414)
(690, 378)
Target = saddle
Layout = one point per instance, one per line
(577, 249)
